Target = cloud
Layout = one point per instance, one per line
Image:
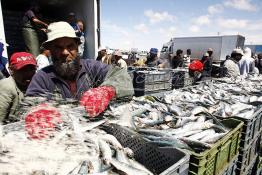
(213, 9)
(156, 17)
(194, 28)
(169, 32)
(202, 20)
(240, 5)
(114, 28)
(141, 28)
(233, 23)
(255, 25)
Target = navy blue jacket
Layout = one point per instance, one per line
(45, 82)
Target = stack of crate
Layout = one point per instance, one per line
(147, 81)
(181, 78)
(249, 145)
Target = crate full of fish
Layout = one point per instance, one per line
(212, 161)
(70, 144)
(163, 161)
(211, 143)
(252, 126)
(248, 155)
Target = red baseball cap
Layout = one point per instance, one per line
(196, 66)
(20, 59)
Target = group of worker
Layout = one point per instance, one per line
(115, 58)
(241, 63)
(91, 82)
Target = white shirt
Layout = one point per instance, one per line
(42, 61)
(122, 63)
(232, 68)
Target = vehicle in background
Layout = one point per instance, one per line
(256, 49)
(221, 45)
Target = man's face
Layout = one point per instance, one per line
(24, 75)
(210, 53)
(65, 57)
(103, 52)
(238, 57)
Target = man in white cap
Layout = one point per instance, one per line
(103, 56)
(119, 60)
(231, 64)
(93, 83)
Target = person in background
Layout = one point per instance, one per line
(22, 68)
(247, 63)
(259, 63)
(81, 47)
(187, 57)
(231, 65)
(71, 19)
(91, 82)
(177, 60)
(152, 58)
(207, 62)
(3, 61)
(32, 23)
(119, 60)
(43, 59)
(103, 56)
(195, 70)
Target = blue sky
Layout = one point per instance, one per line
(144, 24)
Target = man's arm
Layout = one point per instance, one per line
(107, 75)
(120, 80)
(39, 85)
(6, 99)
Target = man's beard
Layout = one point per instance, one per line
(67, 71)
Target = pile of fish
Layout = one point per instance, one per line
(187, 118)
(77, 146)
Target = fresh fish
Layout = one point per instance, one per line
(139, 166)
(175, 109)
(196, 143)
(84, 169)
(128, 169)
(121, 156)
(202, 134)
(111, 140)
(198, 109)
(105, 151)
(213, 138)
(189, 133)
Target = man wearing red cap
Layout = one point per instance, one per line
(196, 69)
(22, 67)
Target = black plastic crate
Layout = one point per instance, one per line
(154, 76)
(231, 168)
(246, 156)
(145, 83)
(248, 170)
(181, 79)
(251, 129)
(163, 161)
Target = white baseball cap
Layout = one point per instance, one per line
(238, 51)
(59, 30)
(101, 48)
